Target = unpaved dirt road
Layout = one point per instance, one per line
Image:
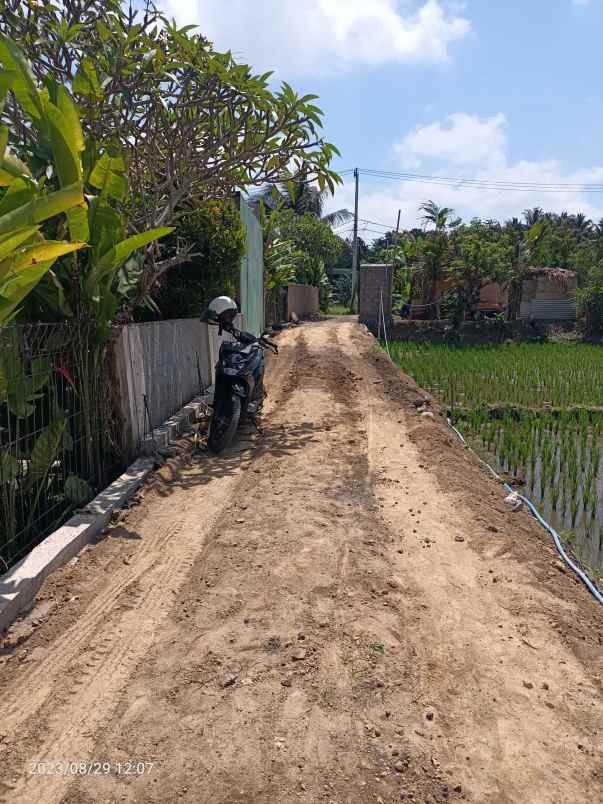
(341, 611)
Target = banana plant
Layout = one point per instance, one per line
(86, 285)
(25, 256)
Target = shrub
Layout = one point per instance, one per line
(589, 299)
(215, 235)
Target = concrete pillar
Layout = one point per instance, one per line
(376, 283)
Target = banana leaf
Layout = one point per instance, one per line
(41, 209)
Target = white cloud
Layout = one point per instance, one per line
(321, 36)
(462, 139)
(467, 147)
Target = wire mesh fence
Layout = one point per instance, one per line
(55, 454)
(276, 306)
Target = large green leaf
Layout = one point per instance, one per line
(7, 79)
(78, 491)
(24, 83)
(42, 251)
(10, 242)
(9, 468)
(18, 387)
(106, 226)
(86, 80)
(19, 284)
(45, 451)
(11, 168)
(116, 256)
(19, 193)
(42, 208)
(67, 146)
(108, 176)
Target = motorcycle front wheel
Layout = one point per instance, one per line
(224, 423)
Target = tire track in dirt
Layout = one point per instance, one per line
(41, 676)
(97, 655)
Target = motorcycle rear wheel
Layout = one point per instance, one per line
(224, 424)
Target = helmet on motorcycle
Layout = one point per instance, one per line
(222, 310)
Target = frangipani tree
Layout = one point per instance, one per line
(191, 122)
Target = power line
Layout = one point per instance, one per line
(485, 184)
(459, 183)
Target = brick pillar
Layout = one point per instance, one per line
(374, 280)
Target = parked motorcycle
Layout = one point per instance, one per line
(239, 386)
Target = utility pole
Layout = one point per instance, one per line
(355, 246)
(398, 223)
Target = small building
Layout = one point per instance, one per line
(547, 294)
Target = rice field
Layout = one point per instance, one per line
(535, 413)
(522, 375)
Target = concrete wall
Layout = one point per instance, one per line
(376, 283)
(301, 300)
(167, 363)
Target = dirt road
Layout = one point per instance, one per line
(341, 611)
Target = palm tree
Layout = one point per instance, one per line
(581, 224)
(439, 217)
(304, 199)
(532, 216)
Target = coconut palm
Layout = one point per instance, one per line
(532, 216)
(303, 198)
(438, 217)
(581, 224)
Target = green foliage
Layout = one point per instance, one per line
(215, 235)
(84, 286)
(317, 249)
(77, 491)
(191, 123)
(313, 238)
(45, 450)
(522, 375)
(589, 299)
(25, 256)
(280, 255)
(480, 255)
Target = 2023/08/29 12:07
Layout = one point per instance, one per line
(130, 767)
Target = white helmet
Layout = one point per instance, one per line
(221, 310)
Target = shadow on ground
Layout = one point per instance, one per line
(198, 467)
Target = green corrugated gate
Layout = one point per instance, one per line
(252, 273)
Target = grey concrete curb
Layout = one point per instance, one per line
(19, 586)
(163, 436)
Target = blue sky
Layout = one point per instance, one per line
(479, 89)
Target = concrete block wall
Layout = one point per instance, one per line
(168, 363)
(376, 282)
(302, 300)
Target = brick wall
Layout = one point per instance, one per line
(375, 280)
